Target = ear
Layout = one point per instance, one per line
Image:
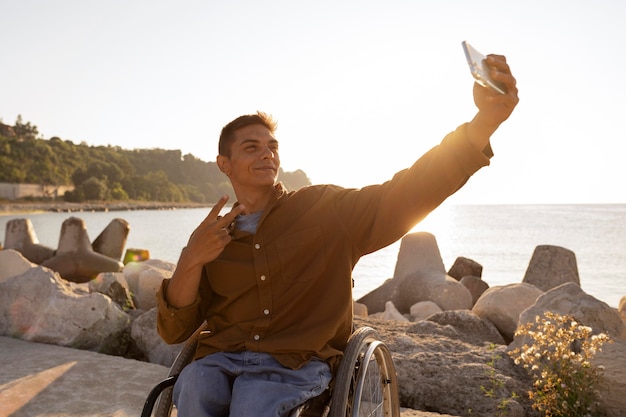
(223, 163)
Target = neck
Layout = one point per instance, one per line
(255, 199)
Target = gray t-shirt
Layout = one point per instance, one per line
(248, 222)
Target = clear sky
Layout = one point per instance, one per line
(360, 88)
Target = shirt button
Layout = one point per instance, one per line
(257, 246)
(266, 312)
(262, 277)
(257, 337)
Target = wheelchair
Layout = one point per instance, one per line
(364, 385)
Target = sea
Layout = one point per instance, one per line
(501, 238)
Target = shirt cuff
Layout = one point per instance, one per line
(168, 312)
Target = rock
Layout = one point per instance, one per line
(144, 280)
(424, 309)
(471, 328)
(418, 252)
(612, 387)
(441, 373)
(115, 286)
(145, 335)
(463, 267)
(621, 309)
(75, 259)
(475, 285)
(20, 235)
(13, 263)
(551, 266)
(375, 300)
(502, 305)
(390, 313)
(359, 309)
(40, 306)
(430, 285)
(420, 276)
(569, 299)
(112, 240)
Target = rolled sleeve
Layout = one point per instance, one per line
(469, 157)
(175, 325)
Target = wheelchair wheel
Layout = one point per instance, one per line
(366, 381)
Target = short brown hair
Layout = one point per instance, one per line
(228, 132)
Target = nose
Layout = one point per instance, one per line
(268, 153)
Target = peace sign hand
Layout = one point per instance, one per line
(209, 239)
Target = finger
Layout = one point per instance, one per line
(228, 218)
(215, 211)
(498, 61)
(501, 72)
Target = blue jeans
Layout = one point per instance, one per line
(245, 384)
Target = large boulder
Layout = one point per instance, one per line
(570, 300)
(612, 387)
(424, 309)
(551, 266)
(419, 276)
(475, 285)
(418, 252)
(430, 285)
(144, 334)
(112, 240)
(446, 369)
(376, 299)
(464, 267)
(20, 235)
(13, 263)
(75, 259)
(144, 280)
(502, 305)
(40, 306)
(115, 286)
(474, 329)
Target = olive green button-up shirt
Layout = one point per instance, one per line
(287, 289)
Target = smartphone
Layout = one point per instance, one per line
(479, 69)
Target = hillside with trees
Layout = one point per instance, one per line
(114, 173)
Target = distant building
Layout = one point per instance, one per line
(10, 191)
(6, 130)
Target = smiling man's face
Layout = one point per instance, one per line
(253, 159)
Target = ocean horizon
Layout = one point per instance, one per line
(501, 238)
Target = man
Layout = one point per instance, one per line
(272, 278)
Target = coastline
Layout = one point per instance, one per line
(9, 207)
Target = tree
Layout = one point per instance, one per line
(25, 130)
(94, 189)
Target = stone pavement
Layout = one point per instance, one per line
(40, 380)
(47, 380)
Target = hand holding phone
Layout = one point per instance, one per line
(479, 68)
